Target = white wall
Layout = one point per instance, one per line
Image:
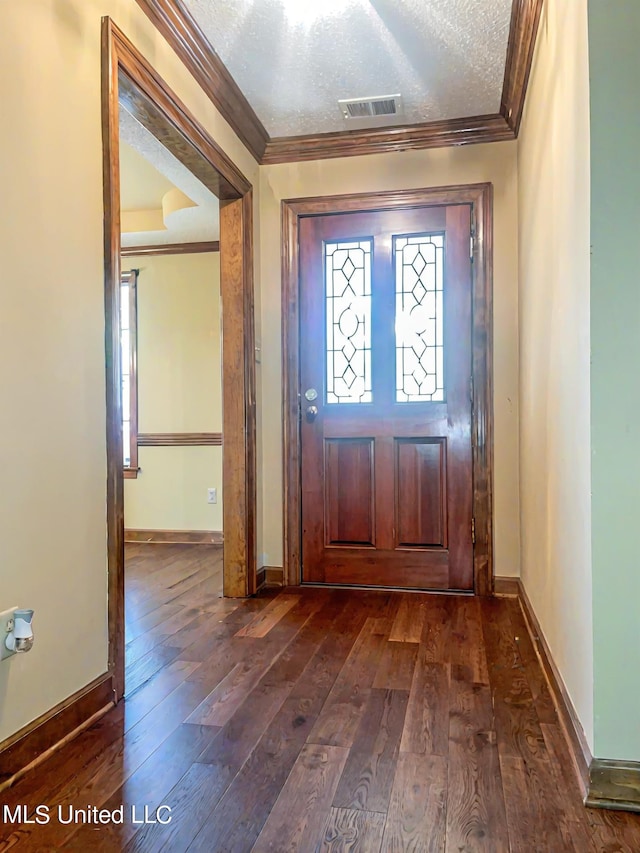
(553, 182)
(52, 423)
(179, 390)
(473, 164)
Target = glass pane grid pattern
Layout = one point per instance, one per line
(348, 321)
(419, 274)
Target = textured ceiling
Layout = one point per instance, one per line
(293, 59)
(147, 171)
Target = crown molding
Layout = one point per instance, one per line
(380, 140)
(525, 18)
(183, 34)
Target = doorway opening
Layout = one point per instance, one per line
(387, 306)
(130, 84)
(172, 405)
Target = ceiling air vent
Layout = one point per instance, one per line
(381, 106)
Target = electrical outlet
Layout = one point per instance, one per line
(6, 625)
(212, 496)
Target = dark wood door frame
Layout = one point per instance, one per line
(129, 79)
(480, 197)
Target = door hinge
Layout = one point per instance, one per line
(472, 245)
(471, 388)
(473, 531)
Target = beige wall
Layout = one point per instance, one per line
(170, 492)
(472, 164)
(52, 524)
(553, 173)
(179, 390)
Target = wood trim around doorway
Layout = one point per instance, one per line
(480, 197)
(128, 78)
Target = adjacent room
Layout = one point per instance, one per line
(171, 403)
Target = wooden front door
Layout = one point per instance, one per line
(385, 396)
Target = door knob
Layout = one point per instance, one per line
(312, 412)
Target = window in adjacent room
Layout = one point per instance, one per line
(128, 351)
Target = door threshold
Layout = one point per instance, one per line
(467, 593)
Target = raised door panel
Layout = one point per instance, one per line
(420, 475)
(348, 478)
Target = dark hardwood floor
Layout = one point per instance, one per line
(313, 719)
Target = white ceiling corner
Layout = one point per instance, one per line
(293, 59)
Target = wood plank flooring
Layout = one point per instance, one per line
(317, 720)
